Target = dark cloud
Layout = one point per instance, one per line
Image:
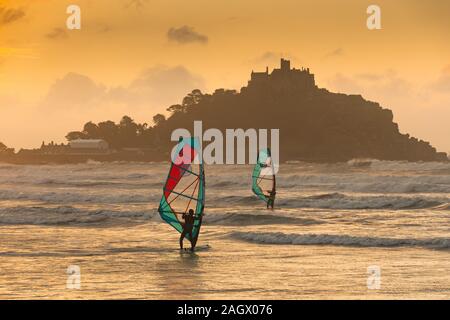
(186, 34)
(9, 15)
(57, 34)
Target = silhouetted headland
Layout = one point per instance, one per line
(315, 125)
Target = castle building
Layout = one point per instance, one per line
(282, 79)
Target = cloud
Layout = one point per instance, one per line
(344, 84)
(370, 76)
(158, 86)
(10, 15)
(271, 58)
(104, 29)
(57, 33)
(387, 85)
(73, 90)
(75, 99)
(268, 56)
(442, 84)
(185, 35)
(335, 53)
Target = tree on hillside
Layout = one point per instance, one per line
(109, 131)
(91, 130)
(141, 128)
(176, 108)
(158, 119)
(5, 150)
(128, 130)
(192, 98)
(74, 135)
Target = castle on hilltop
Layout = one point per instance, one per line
(282, 79)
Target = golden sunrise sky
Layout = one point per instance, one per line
(125, 59)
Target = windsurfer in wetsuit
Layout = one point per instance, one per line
(188, 225)
(271, 198)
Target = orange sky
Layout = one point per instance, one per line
(124, 60)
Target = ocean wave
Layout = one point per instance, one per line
(360, 163)
(366, 183)
(247, 219)
(65, 215)
(339, 240)
(235, 200)
(420, 166)
(336, 200)
(224, 184)
(443, 207)
(66, 197)
(98, 183)
(342, 201)
(7, 166)
(349, 202)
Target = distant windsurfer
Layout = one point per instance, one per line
(271, 199)
(188, 225)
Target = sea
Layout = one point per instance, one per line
(363, 229)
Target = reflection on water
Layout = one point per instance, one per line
(180, 276)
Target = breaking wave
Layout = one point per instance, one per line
(247, 219)
(336, 200)
(65, 215)
(349, 202)
(65, 197)
(336, 240)
(365, 183)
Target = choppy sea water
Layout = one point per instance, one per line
(333, 225)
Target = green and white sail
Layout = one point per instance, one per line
(263, 177)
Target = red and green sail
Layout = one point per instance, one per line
(184, 188)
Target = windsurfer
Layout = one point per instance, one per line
(188, 225)
(271, 198)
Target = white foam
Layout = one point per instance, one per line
(344, 201)
(339, 240)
